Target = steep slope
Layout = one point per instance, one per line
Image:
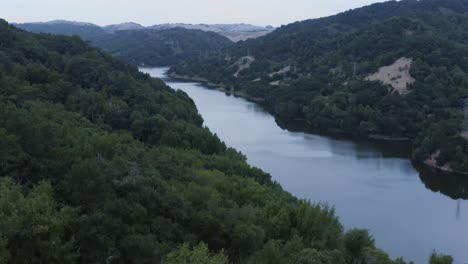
(162, 47)
(392, 70)
(140, 46)
(103, 164)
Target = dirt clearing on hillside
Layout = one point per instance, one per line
(242, 64)
(396, 75)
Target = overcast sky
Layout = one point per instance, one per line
(150, 12)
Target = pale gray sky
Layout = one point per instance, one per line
(150, 12)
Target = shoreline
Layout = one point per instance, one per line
(373, 137)
(222, 88)
(432, 162)
(219, 86)
(389, 138)
(194, 78)
(443, 168)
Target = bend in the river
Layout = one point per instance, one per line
(410, 210)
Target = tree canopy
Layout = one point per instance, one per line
(150, 47)
(102, 164)
(317, 70)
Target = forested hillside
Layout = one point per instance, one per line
(150, 47)
(86, 31)
(392, 70)
(162, 47)
(103, 164)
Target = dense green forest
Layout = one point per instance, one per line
(317, 70)
(163, 47)
(148, 47)
(103, 164)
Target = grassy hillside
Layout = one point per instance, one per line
(149, 47)
(103, 164)
(325, 72)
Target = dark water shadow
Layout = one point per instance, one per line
(388, 149)
(452, 185)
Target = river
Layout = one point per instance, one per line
(410, 210)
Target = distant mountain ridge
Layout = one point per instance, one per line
(234, 32)
(123, 26)
(139, 45)
(77, 23)
(393, 70)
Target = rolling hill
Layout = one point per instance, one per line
(138, 45)
(101, 163)
(395, 70)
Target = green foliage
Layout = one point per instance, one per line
(402, 261)
(377, 256)
(198, 255)
(356, 242)
(143, 47)
(33, 228)
(163, 47)
(132, 173)
(329, 58)
(440, 259)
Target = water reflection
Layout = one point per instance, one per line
(409, 209)
(454, 186)
(364, 148)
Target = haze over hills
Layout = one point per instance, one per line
(61, 21)
(160, 46)
(235, 32)
(87, 31)
(123, 26)
(395, 70)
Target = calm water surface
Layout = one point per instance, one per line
(409, 211)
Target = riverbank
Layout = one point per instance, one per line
(389, 138)
(193, 78)
(222, 88)
(430, 162)
(371, 183)
(373, 137)
(218, 86)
